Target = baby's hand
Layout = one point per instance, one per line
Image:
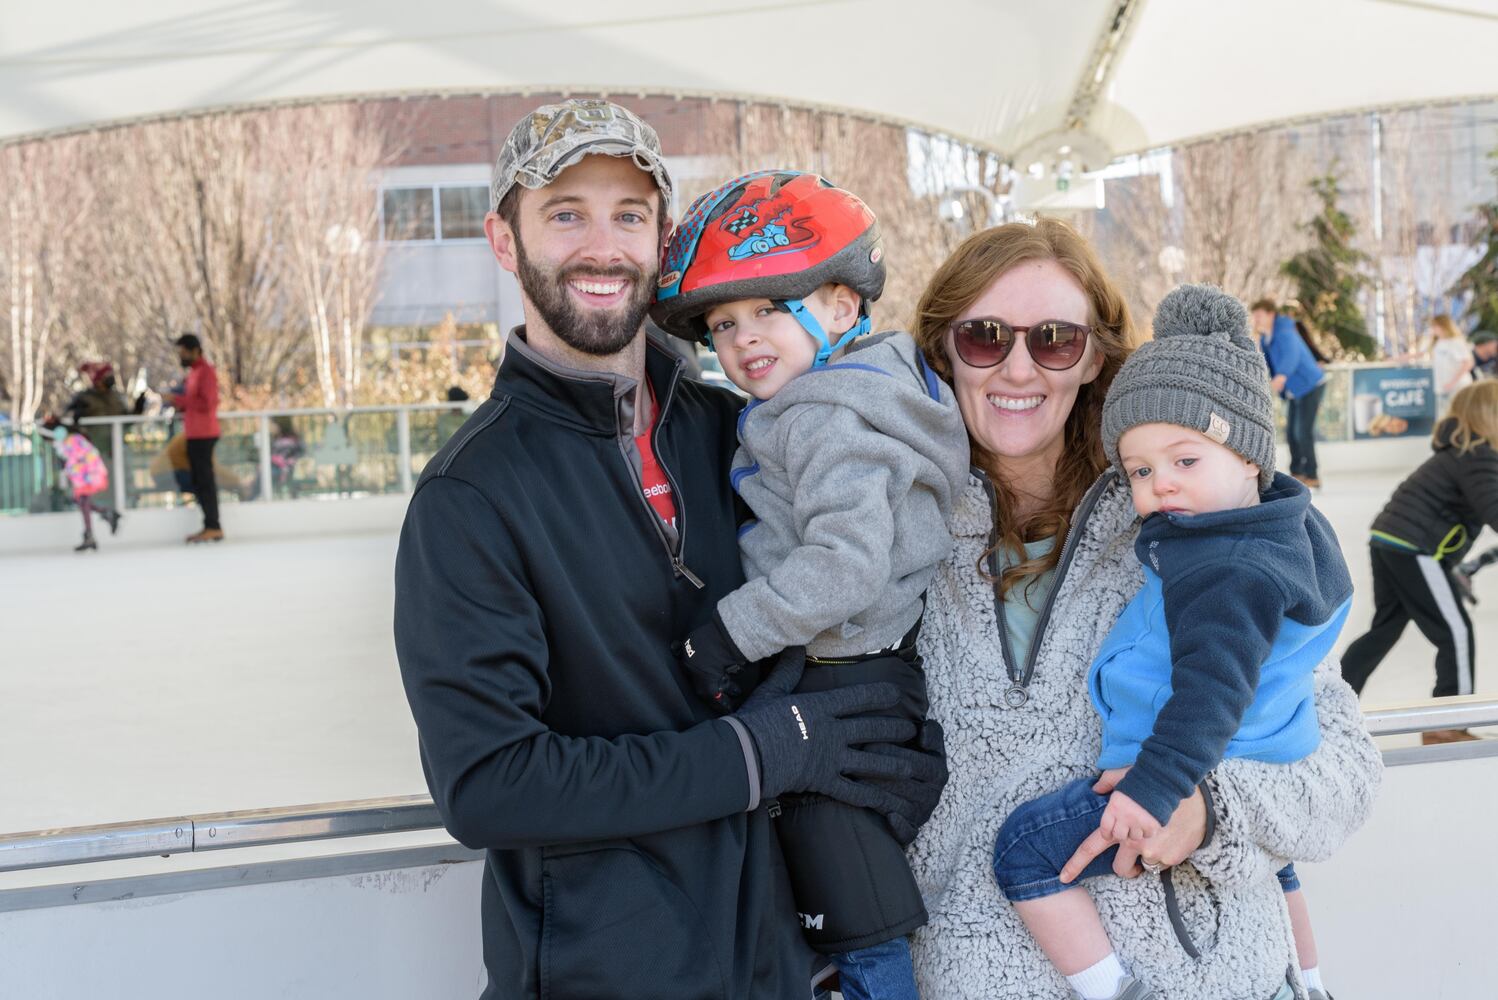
(1109, 779)
(1124, 819)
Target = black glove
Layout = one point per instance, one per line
(713, 663)
(812, 742)
(919, 794)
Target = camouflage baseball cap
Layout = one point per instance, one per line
(555, 136)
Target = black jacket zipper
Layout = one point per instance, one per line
(679, 568)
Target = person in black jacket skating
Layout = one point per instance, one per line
(1418, 540)
(578, 522)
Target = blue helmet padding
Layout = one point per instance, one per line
(809, 323)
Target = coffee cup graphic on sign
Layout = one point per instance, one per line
(1367, 408)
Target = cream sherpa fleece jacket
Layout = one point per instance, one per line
(974, 947)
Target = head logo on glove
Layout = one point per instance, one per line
(800, 722)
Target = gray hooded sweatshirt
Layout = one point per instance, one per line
(851, 470)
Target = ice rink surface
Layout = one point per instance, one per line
(145, 682)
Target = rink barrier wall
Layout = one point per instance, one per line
(411, 813)
(348, 918)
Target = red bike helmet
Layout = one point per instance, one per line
(774, 234)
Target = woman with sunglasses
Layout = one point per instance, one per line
(1029, 330)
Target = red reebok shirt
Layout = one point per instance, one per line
(652, 477)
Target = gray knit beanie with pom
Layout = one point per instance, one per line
(1202, 370)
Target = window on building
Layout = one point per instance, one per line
(407, 214)
(434, 212)
(463, 210)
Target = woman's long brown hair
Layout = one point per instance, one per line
(957, 284)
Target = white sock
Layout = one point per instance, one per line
(1100, 981)
(1312, 978)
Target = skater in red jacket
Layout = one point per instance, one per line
(198, 402)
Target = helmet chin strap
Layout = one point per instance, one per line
(809, 323)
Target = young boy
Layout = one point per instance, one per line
(851, 456)
(1245, 591)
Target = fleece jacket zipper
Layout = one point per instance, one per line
(1019, 681)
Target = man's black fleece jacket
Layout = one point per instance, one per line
(537, 596)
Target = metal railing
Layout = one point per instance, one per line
(264, 456)
(1462, 712)
(1446, 713)
(217, 832)
(416, 813)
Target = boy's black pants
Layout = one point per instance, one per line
(1409, 587)
(849, 875)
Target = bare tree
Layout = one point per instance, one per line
(1426, 206)
(1230, 206)
(1223, 211)
(43, 264)
(1242, 200)
(254, 230)
(1131, 235)
(222, 208)
(137, 301)
(329, 155)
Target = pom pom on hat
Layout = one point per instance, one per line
(1203, 311)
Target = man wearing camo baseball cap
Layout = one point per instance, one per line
(580, 198)
(555, 136)
(579, 521)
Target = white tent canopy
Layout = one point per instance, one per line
(1023, 77)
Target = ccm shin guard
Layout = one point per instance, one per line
(852, 884)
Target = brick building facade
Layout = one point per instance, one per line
(434, 191)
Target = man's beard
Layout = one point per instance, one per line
(598, 332)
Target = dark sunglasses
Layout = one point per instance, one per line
(1053, 343)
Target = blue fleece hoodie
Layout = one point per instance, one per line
(1213, 658)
